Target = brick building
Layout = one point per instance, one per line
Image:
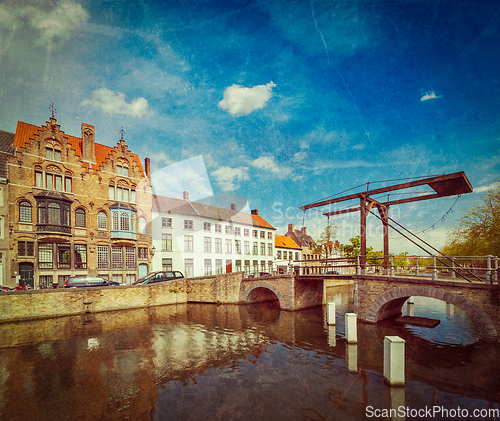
(76, 207)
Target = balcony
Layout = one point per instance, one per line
(123, 234)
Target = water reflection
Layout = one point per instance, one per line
(228, 362)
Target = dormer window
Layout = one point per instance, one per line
(53, 154)
(122, 170)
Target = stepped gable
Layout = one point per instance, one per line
(26, 132)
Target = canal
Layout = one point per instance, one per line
(252, 362)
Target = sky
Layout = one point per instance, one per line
(281, 102)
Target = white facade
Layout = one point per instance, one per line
(200, 239)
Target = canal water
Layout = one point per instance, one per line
(252, 362)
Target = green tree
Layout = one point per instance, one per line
(325, 244)
(353, 249)
(478, 232)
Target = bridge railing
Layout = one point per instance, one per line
(472, 268)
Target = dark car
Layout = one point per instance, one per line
(160, 276)
(333, 272)
(88, 281)
(258, 274)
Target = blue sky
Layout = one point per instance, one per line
(282, 102)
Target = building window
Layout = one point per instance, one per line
(255, 248)
(80, 256)
(246, 232)
(63, 256)
(143, 252)
(53, 154)
(130, 278)
(102, 221)
(296, 255)
(255, 233)
(269, 235)
(218, 266)
(237, 231)
(45, 255)
(237, 245)
(247, 247)
(218, 245)
(208, 266)
(207, 244)
(262, 234)
(188, 243)
(166, 242)
(188, 225)
(102, 257)
(25, 211)
(207, 226)
(25, 248)
(166, 222)
(53, 213)
(118, 278)
(116, 258)
(111, 192)
(229, 246)
(189, 268)
(269, 249)
(80, 218)
(130, 258)
(67, 184)
(238, 265)
(142, 225)
(166, 264)
(218, 228)
(228, 229)
(279, 254)
(263, 249)
(124, 222)
(122, 170)
(38, 179)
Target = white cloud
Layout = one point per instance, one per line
(267, 163)
(240, 101)
(429, 95)
(114, 103)
(54, 25)
(483, 189)
(226, 176)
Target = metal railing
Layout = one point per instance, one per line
(470, 268)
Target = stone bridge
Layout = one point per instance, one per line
(380, 297)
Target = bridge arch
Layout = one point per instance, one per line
(391, 302)
(266, 285)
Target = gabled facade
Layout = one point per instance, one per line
(200, 239)
(76, 207)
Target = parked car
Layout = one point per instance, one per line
(159, 276)
(258, 274)
(333, 272)
(88, 281)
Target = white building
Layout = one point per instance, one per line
(288, 255)
(200, 239)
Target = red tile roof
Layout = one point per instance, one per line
(26, 131)
(284, 241)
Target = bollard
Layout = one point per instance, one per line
(330, 313)
(351, 354)
(410, 307)
(351, 333)
(394, 360)
(392, 266)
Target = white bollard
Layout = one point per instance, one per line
(330, 313)
(351, 354)
(410, 307)
(394, 360)
(351, 332)
(332, 336)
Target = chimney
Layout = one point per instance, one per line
(88, 143)
(255, 212)
(233, 206)
(147, 167)
(304, 230)
(185, 195)
(291, 228)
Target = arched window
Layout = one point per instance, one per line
(25, 211)
(142, 225)
(115, 222)
(80, 218)
(54, 213)
(102, 221)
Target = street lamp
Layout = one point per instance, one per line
(152, 251)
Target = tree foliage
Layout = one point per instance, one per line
(478, 232)
(326, 242)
